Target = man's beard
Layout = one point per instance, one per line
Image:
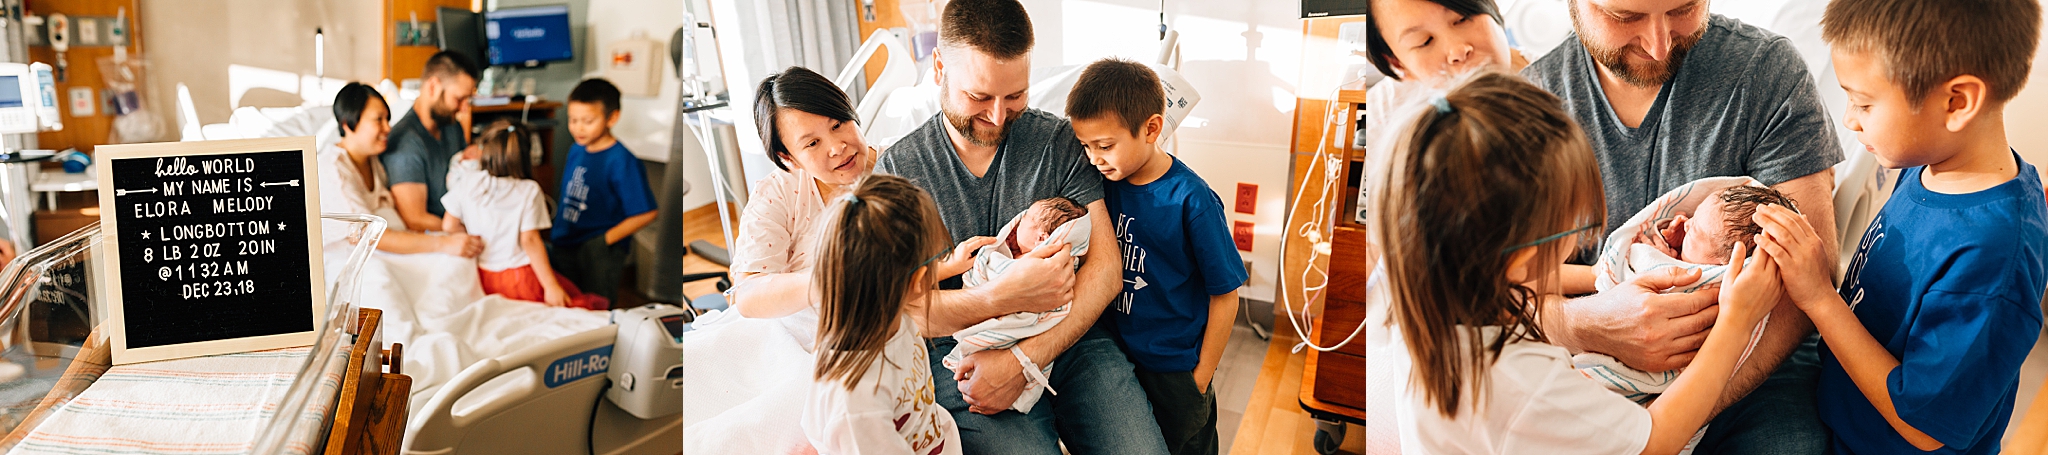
(1652, 74)
(443, 114)
(967, 128)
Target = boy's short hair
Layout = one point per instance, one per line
(1059, 210)
(1924, 43)
(1123, 88)
(597, 91)
(1738, 211)
(448, 64)
(999, 28)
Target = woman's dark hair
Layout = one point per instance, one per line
(876, 240)
(504, 147)
(1380, 53)
(800, 89)
(349, 105)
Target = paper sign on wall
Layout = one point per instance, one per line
(215, 247)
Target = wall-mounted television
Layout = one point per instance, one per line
(1331, 8)
(528, 36)
(459, 32)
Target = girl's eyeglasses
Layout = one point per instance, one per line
(1551, 238)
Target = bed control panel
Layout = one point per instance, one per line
(647, 361)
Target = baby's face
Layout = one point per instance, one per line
(1030, 234)
(1702, 232)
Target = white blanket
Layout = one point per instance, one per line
(433, 304)
(745, 382)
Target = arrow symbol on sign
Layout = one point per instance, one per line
(294, 182)
(125, 192)
(1140, 284)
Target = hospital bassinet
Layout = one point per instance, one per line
(50, 309)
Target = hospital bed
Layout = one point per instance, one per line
(54, 356)
(480, 363)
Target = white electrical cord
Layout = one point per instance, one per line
(1313, 231)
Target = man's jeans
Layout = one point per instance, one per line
(1099, 408)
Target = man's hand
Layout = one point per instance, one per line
(1040, 281)
(990, 381)
(1642, 328)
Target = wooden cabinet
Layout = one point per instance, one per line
(1338, 256)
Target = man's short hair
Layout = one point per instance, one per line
(1123, 88)
(448, 64)
(1925, 43)
(999, 28)
(597, 91)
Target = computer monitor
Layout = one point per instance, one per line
(528, 36)
(460, 33)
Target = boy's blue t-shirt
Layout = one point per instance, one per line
(1177, 252)
(1951, 284)
(598, 191)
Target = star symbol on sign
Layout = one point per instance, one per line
(145, 234)
(280, 226)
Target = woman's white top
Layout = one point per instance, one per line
(342, 191)
(1534, 402)
(891, 410)
(497, 209)
(778, 233)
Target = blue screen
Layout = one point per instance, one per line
(520, 35)
(10, 91)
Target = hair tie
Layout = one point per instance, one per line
(1443, 105)
(850, 198)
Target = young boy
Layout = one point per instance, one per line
(1923, 342)
(1181, 268)
(604, 195)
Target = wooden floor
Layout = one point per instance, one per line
(1274, 422)
(701, 224)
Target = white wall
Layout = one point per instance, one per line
(2028, 111)
(1244, 58)
(645, 122)
(255, 52)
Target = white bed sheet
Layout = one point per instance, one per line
(434, 305)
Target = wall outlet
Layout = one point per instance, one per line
(1247, 198)
(1241, 232)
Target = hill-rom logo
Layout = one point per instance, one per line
(575, 367)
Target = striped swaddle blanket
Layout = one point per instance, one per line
(202, 405)
(1005, 331)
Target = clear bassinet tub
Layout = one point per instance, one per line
(51, 350)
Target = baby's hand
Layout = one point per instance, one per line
(962, 257)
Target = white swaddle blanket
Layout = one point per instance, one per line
(1627, 253)
(1005, 331)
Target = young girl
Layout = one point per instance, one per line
(498, 201)
(1482, 199)
(873, 391)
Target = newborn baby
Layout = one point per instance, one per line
(1708, 235)
(1665, 235)
(1052, 220)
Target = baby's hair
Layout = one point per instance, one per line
(1061, 210)
(1923, 44)
(1738, 211)
(1489, 168)
(504, 147)
(875, 242)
